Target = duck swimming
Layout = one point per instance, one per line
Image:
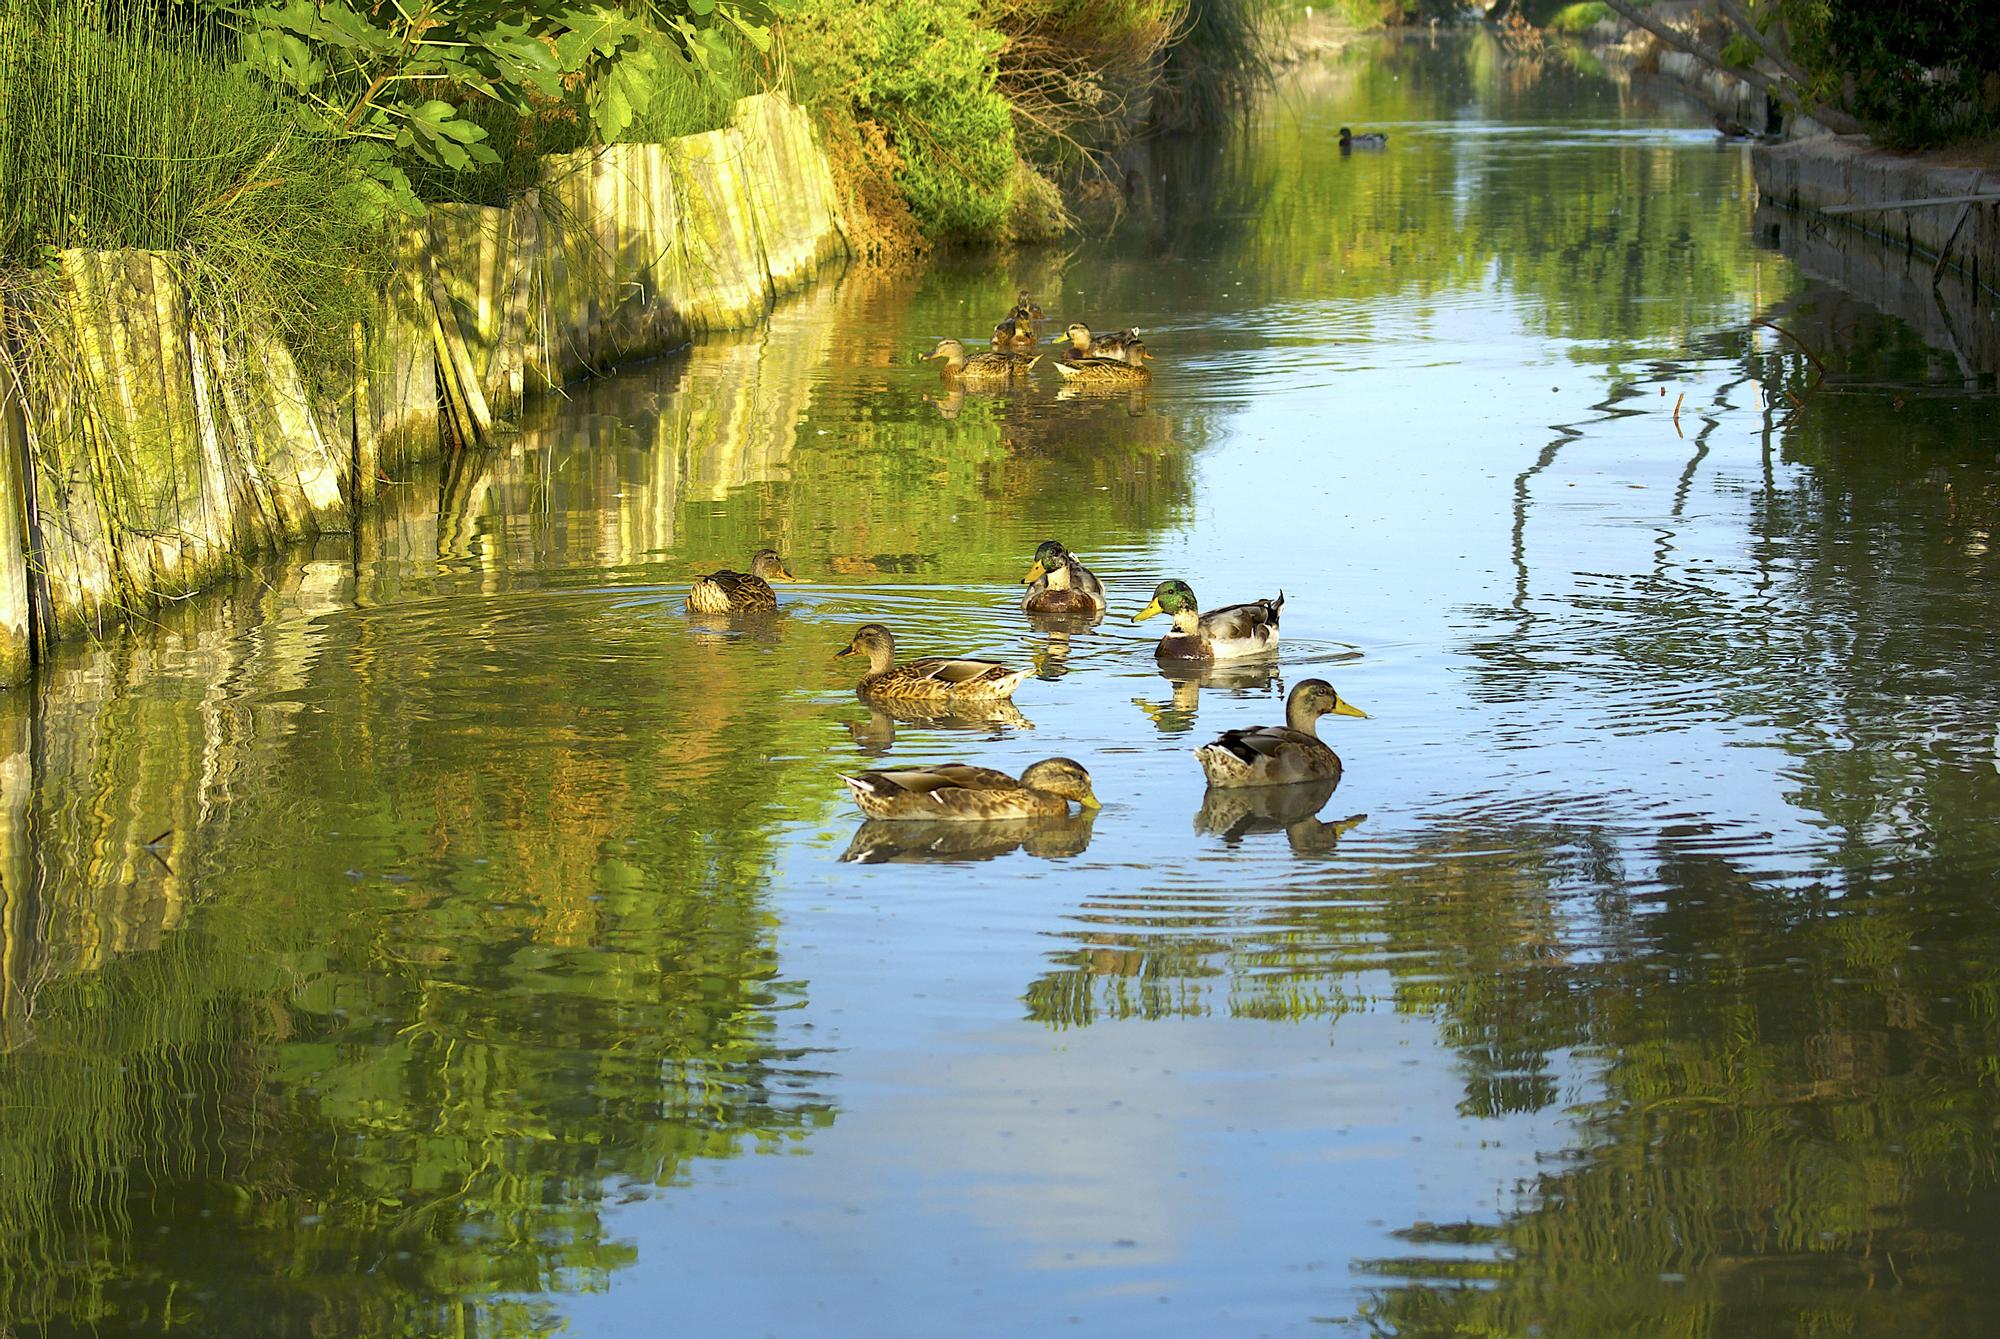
(1279, 755)
(1059, 584)
(989, 370)
(1372, 140)
(957, 791)
(930, 678)
(1229, 633)
(1015, 333)
(727, 592)
(1128, 370)
(1084, 344)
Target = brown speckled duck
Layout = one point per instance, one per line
(980, 370)
(931, 678)
(728, 592)
(1279, 755)
(960, 792)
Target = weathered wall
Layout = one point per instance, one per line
(1832, 170)
(143, 454)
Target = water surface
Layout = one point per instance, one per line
(443, 933)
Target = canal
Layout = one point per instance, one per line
(441, 932)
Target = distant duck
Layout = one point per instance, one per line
(957, 791)
(1026, 308)
(1015, 334)
(727, 592)
(1059, 584)
(1084, 344)
(1230, 633)
(1372, 140)
(1279, 755)
(980, 370)
(1730, 129)
(1129, 370)
(944, 679)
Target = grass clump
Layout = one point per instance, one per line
(1576, 19)
(120, 129)
(1219, 59)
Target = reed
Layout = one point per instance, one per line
(1217, 62)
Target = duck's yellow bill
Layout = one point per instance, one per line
(1090, 801)
(1152, 607)
(1344, 708)
(1035, 573)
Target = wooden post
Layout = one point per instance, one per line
(17, 645)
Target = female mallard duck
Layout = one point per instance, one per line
(962, 792)
(1278, 755)
(932, 678)
(1229, 633)
(1026, 309)
(1014, 333)
(1130, 370)
(1084, 344)
(727, 592)
(1373, 140)
(980, 369)
(1059, 584)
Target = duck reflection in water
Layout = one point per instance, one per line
(1235, 812)
(879, 841)
(875, 735)
(1176, 716)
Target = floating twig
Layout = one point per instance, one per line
(1677, 414)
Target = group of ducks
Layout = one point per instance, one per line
(1109, 359)
(1058, 584)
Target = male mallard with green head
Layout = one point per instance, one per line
(727, 592)
(961, 792)
(1278, 755)
(931, 678)
(1349, 141)
(980, 369)
(1059, 584)
(1230, 633)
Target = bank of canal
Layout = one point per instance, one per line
(441, 932)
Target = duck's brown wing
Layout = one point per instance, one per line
(957, 673)
(1262, 741)
(931, 779)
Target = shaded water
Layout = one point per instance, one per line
(445, 934)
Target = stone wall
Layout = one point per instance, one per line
(144, 454)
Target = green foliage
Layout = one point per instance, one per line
(1578, 18)
(927, 73)
(1220, 59)
(1917, 73)
(118, 129)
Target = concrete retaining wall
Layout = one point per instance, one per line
(1812, 174)
(143, 453)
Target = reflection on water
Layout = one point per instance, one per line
(426, 934)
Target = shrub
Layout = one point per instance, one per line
(1917, 73)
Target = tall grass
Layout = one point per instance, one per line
(1216, 64)
(120, 127)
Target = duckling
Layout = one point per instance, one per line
(1130, 370)
(935, 678)
(1059, 584)
(1278, 755)
(727, 592)
(980, 369)
(1084, 344)
(1373, 140)
(1229, 633)
(959, 791)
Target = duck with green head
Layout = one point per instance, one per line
(980, 370)
(728, 592)
(1279, 755)
(960, 792)
(1059, 584)
(929, 678)
(1232, 632)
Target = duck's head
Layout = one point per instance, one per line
(1313, 698)
(1064, 777)
(765, 563)
(950, 350)
(1078, 335)
(871, 640)
(1048, 557)
(1170, 598)
(1136, 352)
(1346, 136)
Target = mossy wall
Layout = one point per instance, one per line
(151, 454)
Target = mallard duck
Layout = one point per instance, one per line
(1083, 344)
(1229, 633)
(1025, 307)
(1372, 140)
(1059, 584)
(957, 791)
(1014, 333)
(933, 678)
(1130, 370)
(1278, 755)
(980, 369)
(727, 592)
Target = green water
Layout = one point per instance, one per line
(441, 933)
